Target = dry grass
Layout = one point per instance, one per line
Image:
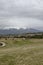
(22, 52)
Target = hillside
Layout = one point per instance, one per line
(18, 31)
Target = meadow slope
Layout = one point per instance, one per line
(22, 52)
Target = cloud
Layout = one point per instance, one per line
(18, 22)
(21, 13)
(25, 8)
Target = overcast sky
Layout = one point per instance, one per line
(21, 14)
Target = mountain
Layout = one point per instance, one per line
(18, 31)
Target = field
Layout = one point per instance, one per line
(21, 52)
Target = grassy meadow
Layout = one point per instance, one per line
(21, 52)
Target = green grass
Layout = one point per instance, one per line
(22, 52)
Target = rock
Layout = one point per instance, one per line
(2, 44)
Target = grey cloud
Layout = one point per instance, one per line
(21, 8)
(10, 9)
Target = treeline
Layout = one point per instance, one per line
(31, 36)
(27, 35)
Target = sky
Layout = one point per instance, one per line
(21, 14)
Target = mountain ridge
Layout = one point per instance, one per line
(18, 31)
